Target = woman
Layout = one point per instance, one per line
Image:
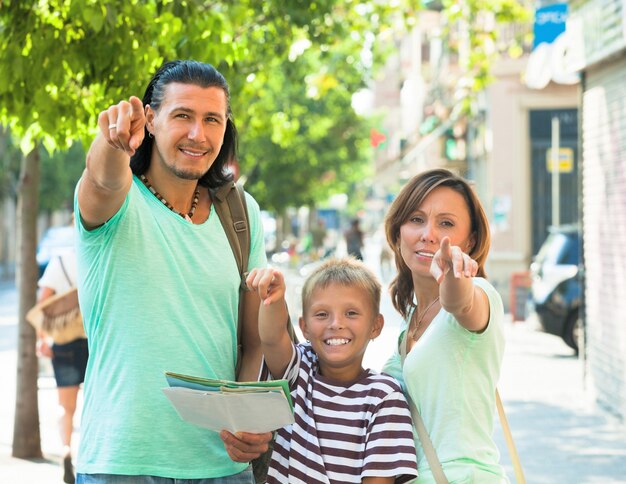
(69, 360)
(453, 337)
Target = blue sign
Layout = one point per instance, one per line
(330, 216)
(549, 23)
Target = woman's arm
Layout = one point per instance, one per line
(453, 269)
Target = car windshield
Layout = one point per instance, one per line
(559, 249)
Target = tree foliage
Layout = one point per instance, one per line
(9, 165)
(292, 66)
(301, 139)
(473, 31)
(62, 61)
(60, 170)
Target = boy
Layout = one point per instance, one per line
(351, 424)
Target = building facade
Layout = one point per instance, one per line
(502, 148)
(599, 53)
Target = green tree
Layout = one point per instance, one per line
(301, 139)
(292, 66)
(61, 62)
(473, 30)
(60, 170)
(9, 165)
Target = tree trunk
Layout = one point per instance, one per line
(26, 437)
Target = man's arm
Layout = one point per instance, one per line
(272, 318)
(107, 176)
(243, 446)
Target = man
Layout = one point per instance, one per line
(354, 239)
(158, 282)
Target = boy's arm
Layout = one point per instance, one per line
(276, 344)
(378, 480)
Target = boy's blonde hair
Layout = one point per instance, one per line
(345, 271)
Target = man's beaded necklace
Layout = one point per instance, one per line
(194, 202)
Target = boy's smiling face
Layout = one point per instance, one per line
(339, 324)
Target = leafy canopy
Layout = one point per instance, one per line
(292, 66)
(63, 61)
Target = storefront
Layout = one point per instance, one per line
(599, 53)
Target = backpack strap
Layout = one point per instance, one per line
(230, 205)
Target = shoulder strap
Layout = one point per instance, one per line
(429, 449)
(517, 465)
(422, 433)
(230, 205)
(231, 208)
(69, 281)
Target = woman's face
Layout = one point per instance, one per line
(443, 212)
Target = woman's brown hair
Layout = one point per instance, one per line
(408, 200)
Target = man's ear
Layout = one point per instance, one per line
(379, 323)
(149, 112)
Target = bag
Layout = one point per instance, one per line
(230, 204)
(59, 317)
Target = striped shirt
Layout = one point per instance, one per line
(343, 431)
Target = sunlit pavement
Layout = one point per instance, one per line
(562, 437)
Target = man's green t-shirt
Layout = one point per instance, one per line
(157, 294)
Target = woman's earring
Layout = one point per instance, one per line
(150, 135)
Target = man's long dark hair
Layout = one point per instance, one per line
(199, 74)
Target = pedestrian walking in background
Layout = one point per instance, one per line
(450, 350)
(159, 284)
(351, 424)
(318, 236)
(69, 360)
(354, 239)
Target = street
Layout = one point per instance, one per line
(560, 434)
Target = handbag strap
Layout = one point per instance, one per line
(508, 437)
(429, 449)
(69, 281)
(422, 433)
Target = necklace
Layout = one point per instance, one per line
(421, 318)
(194, 201)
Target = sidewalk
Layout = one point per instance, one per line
(20, 471)
(560, 434)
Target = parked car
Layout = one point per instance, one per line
(556, 287)
(55, 241)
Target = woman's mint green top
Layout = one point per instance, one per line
(451, 375)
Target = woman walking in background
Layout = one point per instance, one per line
(450, 350)
(69, 360)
